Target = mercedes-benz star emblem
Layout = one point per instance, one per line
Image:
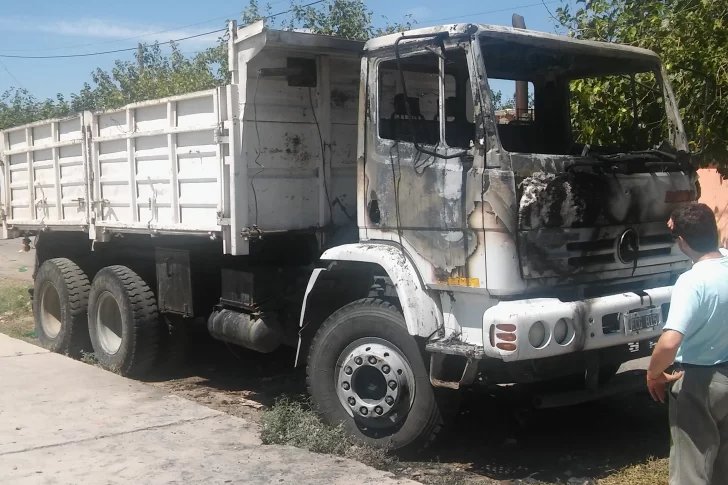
(628, 246)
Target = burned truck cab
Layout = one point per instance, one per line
(523, 242)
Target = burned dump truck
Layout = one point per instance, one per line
(367, 204)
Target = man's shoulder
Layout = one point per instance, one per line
(692, 278)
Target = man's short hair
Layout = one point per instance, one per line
(695, 223)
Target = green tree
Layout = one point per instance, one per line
(350, 19)
(692, 39)
(168, 75)
(18, 107)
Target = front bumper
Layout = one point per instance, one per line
(567, 326)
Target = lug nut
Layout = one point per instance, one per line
(358, 361)
(392, 385)
(352, 401)
(364, 411)
(346, 386)
(372, 360)
(385, 369)
(389, 400)
(348, 371)
(378, 410)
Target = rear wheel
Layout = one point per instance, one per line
(60, 300)
(124, 323)
(366, 371)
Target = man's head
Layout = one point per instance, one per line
(695, 228)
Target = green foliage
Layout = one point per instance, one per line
(350, 19)
(292, 423)
(14, 300)
(603, 114)
(509, 103)
(127, 82)
(18, 107)
(691, 38)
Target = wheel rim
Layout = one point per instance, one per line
(108, 323)
(50, 310)
(375, 382)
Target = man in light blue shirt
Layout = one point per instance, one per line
(695, 338)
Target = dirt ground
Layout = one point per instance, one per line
(15, 265)
(494, 439)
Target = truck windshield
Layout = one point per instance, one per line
(578, 99)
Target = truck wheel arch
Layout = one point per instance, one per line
(421, 313)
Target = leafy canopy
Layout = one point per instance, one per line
(691, 37)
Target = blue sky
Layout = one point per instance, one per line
(35, 27)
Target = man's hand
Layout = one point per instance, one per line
(657, 386)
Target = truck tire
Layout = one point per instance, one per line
(366, 371)
(124, 322)
(60, 302)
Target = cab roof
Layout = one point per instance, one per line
(523, 36)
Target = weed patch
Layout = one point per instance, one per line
(293, 423)
(14, 301)
(653, 472)
(89, 358)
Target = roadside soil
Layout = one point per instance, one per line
(493, 440)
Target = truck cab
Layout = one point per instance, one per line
(522, 248)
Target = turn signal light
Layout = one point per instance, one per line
(506, 327)
(508, 337)
(506, 346)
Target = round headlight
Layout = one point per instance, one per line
(537, 335)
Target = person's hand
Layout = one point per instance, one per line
(657, 386)
(671, 224)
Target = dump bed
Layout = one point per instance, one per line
(268, 152)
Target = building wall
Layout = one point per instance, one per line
(714, 193)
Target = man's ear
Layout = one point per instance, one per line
(683, 244)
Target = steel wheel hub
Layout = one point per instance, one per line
(50, 310)
(108, 323)
(375, 380)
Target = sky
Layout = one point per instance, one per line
(59, 27)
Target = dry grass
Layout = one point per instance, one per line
(654, 472)
(293, 423)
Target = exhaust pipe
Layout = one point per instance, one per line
(521, 96)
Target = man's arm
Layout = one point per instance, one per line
(664, 353)
(684, 311)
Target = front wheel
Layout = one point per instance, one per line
(366, 371)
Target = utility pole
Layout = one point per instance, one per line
(140, 56)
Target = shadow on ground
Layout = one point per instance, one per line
(230, 378)
(498, 439)
(501, 440)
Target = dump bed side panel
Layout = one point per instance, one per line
(157, 165)
(44, 173)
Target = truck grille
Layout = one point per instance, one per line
(571, 251)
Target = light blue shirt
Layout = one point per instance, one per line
(699, 311)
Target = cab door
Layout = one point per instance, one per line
(421, 186)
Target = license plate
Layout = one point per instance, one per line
(641, 320)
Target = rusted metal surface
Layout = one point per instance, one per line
(510, 222)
